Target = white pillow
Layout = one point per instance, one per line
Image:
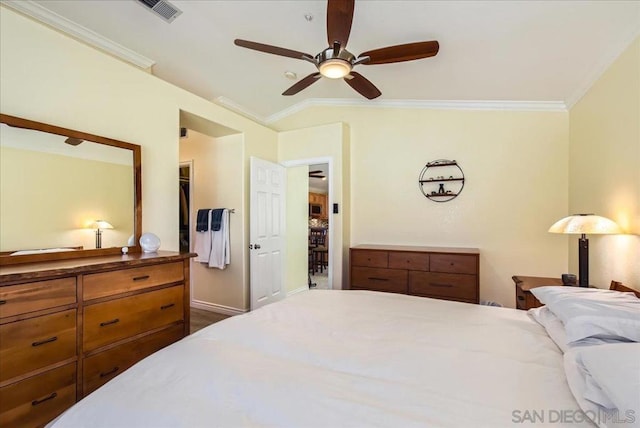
(552, 324)
(593, 313)
(605, 381)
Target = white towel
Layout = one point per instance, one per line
(220, 254)
(203, 243)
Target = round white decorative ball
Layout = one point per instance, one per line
(149, 242)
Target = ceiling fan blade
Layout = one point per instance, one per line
(358, 82)
(275, 50)
(399, 53)
(301, 84)
(339, 19)
(316, 176)
(317, 171)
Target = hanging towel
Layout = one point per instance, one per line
(203, 223)
(216, 218)
(220, 252)
(203, 238)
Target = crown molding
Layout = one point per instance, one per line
(68, 27)
(554, 106)
(233, 106)
(599, 69)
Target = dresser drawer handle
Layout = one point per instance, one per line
(50, 397)
(3, 302)
(141, 278)
(437, 284)
(521, 298)
(42, 342)
(170, 305)
(373, 278)
(106, 323)
(110, 372)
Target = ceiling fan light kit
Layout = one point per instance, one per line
(336, 62)
(334, 68)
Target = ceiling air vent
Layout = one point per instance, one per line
(162, 8)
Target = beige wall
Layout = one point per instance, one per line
(217, 183)
(42, 217)
(515, 162)
(297, 226)
(96, 93)
(605, 169)
(324, 144)
(516, 169)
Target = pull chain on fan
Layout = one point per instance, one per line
(336, 62)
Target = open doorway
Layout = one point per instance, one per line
(184, 200)
(318, 227)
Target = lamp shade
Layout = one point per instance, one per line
(585, 224)
(100, 224)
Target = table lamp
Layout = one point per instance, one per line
(98, 225)
(581, 224)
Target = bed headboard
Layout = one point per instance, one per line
(618, 286)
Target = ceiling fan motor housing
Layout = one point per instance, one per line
(335, 66)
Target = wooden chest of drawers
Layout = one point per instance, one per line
(68, 327)
(441, 273)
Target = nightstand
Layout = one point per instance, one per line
(524, 298)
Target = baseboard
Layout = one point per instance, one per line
(213, 307)
(297, 290)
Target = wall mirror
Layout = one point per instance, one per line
(66, 194)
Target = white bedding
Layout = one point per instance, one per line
(345, 358)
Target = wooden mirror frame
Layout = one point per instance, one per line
(137, 179)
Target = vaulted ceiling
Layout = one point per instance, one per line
(512, 51)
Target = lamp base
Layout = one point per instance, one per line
(98, 238)
(583, 261)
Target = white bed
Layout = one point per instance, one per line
(345, 358)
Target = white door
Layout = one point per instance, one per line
(266, 232)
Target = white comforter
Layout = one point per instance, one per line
(345, 359)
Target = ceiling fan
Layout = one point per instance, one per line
(337, 62)
(317, 174)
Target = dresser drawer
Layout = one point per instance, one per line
(34, 343)
(34, 296)
(443, 285)
(410, 261)
(109, 283)
(108, 322)
(369, 258)
(521, 299)
(38, 399)
(100, 368)
(453, 263)
(526, 300)
(377, 279)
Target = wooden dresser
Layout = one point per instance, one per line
(441, 273)
(67, 327)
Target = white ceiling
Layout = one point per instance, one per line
(489, 50)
